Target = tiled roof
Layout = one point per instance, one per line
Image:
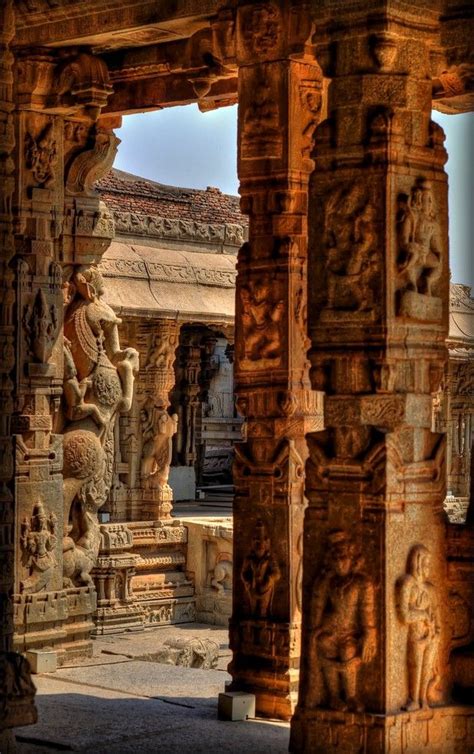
(126, 192)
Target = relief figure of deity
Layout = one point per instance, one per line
(344, 634)
(38, 540)
(418, 609)
(261, 317)
(98, 386)
(260, 572)
(352, 265)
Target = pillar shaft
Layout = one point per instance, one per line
(158, 425)
(375, 623)
(279, 107)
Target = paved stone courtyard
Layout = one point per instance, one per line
(123, 700)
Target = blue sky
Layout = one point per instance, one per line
(184, 147)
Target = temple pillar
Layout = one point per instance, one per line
(157, 425)
(280, 95)
(377, 624)
(17, 691)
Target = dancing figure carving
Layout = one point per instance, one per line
(157, 446)
(98, 386)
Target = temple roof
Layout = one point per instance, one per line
(124, 192)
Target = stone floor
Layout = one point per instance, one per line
(122, 701)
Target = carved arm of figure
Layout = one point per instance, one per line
(369, 636)
(126, 360)
(278, 311)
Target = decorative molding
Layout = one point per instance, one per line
(170, 273)
(137, 224)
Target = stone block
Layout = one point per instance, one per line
(235, 705)
(42, 660)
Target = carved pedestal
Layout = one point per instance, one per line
(376, 636)
(279, 107)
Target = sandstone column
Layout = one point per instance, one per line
(157, 424)
(375, 618)
(279, 107)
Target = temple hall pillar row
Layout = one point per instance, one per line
(280, 97)
(377, 623)
(158, 425)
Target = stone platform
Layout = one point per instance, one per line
(117, 703)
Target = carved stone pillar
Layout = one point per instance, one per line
(376, 635)
(279, 107)
(157, 424)
(16, 688)
(69, 386)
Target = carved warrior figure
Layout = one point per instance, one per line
(351, 264)
(38, 540)
(260, 572)
(344, 635)
(419, 259)
(157, 436)
(261, 317)
(99, 378)
(418, 608)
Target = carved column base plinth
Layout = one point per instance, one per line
(157, 504)
(17, 697)
(61, 620)
(267, 665)
(440, 730)
(116, 619)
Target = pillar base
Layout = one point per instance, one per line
(440, 730)
(275, 696)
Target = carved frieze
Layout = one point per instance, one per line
(134, 223)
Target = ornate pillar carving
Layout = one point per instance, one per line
(70, 386)
(16, 688)
(157, 424)
(280, 97)
(376, 637)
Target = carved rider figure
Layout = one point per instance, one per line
(38, 540)
(99, 378)
(419, 246)
(418, 607)
(260, 572)
(344, 633)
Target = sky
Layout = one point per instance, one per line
(183, 147)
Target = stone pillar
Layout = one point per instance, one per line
(376, 634)
(157, 424)
(16, 688)
(279, 108)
